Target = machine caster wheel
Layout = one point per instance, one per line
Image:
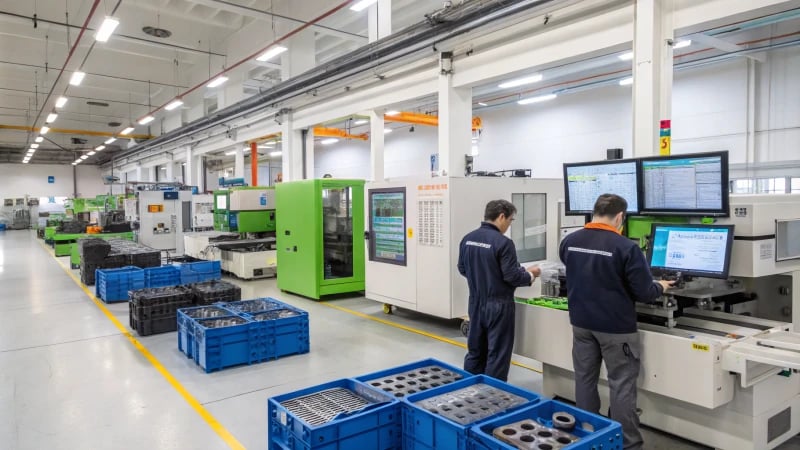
(387, 308)
(465, 327)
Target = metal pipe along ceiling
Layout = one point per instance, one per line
(452, 22)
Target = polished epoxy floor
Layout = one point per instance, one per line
(70, 379)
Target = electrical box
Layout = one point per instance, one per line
(320, 236)
(202, 211)
(163, 218)
(252, 199)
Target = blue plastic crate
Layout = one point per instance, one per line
(162, 276)
(217, 348)
(186, 319)
(426, 430)
(375, 427)
(281, 336)
(607, 434)
(198, 272)
(112, 285)
(388, 374)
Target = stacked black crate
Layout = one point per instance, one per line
(154, 310)
(214, 291)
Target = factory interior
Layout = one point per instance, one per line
(254, 224)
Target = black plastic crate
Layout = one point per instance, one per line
(214, 291)
(157, 311)
(93, 250)
(161, 296)
(156, 326)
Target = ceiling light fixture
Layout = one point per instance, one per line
(627, 56)
(51, 117)
(329, 141)
(106, 29)
(126, 131)
(277, 153)
(362, 5)
(387, 130)
(682, 44)
(271, 53)
(38, 139)
(521, 81)
(30, 152)
(392, 112)
(84, 157)
(34, 145)
(100, 148)
(217, 81)
(539, 99)
(146, 119)
(230, 153)
(266, 146)
(24, 161)
(626, 81)
(482, 104)
(361, 122)
(44, 130)
(109, 141)
(174, 104)
(77, 78)
(91, 153)
(61, 102)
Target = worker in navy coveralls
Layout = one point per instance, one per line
(606, 274)
(488, 260)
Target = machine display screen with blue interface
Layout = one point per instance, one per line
(686, 185)
(387, 217)
(697, 250)
(587, 181)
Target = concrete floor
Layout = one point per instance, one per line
(70, 379)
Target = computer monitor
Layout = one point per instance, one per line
(584, 182)
(387, 225)
(696, 250)
(688, 185)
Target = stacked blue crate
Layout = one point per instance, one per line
(112, 285)
(198, 272)
(162, 276)
(186, 320)
(281, 329)
(429, 430)
(340, 415)
(593, 432)
(223, 342)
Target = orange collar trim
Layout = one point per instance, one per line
(601, 226)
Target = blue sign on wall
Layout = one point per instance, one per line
(51, 179)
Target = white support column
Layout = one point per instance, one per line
(455, 126)
(138, 173)
(379, 20)
(292, 147)
(376, 147)
(151, 175)
(309, 175)
(188, 174)
(652, 73)
(170, 172)
(199, 173)
(238, 163)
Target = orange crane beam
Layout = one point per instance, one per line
(426, 119)
(339, 133)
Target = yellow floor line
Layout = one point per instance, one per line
(414, 330)
(193, 402)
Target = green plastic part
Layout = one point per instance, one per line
(638, 227)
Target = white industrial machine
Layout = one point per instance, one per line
(708, 374)
(250, 259)
(202, 212)
(415, 226)
(163, 218)
(202, 244)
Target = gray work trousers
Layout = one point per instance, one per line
(621, 355)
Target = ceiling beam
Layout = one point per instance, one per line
(725, 46)
(263, 15)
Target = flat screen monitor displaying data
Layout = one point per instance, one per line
(696, 250)
(688, 185)
(387, 220)
(584, 182)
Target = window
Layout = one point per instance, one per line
(529, 232)
(795, 184)
(742, 186)
(771, 185)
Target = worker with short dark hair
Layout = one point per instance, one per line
(488, 260)
(606, 274)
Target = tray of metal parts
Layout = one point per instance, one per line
(441, 417)
(186, 319)
(340, 415)
(547, 425)
(213, 291)
(254, 306)
(414, 377)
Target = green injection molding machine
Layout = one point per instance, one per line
(245, 209)
(320, 237)
(638, 227)
(222, 216)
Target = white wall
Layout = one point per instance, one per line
(17, 180)
(709, 113)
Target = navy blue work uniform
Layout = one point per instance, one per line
(488, 260)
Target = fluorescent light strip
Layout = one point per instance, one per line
(109, 141)
(38, 139)
(34, 145)
(521, 81)
(627, 56)
(106, 29)
(387, 130)
(626, 81)
(539, 99)
(77, 78)
(277, 153)
(217, 81)
(126, 131)
(44, 130)
(174, 104)
(392, 112)
(362, 5)
(84, 157)
(329, 141)
(361, 122)
(51, 118)
(145, 120)
(682, 44)
(482, 104)
(271, 53)
(100, 148)
(91, 153)
(230, 153)
(61, 102)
